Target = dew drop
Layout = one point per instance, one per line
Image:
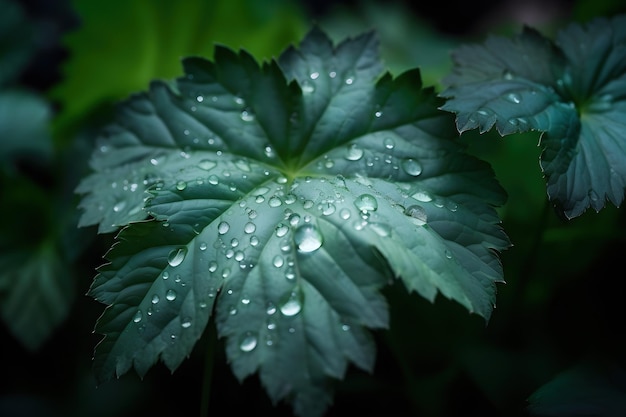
(422, 196)
(177, 256)
(247, 115)
(278, 261)
(170, 295)
(307, 87)
(345, 214)
(202, 246)
(165, 275)
(181, 185)
(248, 342)
(186, 323)
(354, 152)
(271, 309)
(417, 214)
(249, 227)
(514, 98)
(292, 304)
(281, 230)
(389, 143)
(308, 238)
(212, 266)
(275, 201)
(155, 299)
(138, 316)
(294, 219)
(328, 209)
(207, 164)
(119, 206)
(223, 228)
(366, 203)
(412, 167)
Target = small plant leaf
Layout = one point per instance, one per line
(571, 89)
(284, 196)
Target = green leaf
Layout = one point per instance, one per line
(573, 90)
(284, 194)
(35, 293)
(17, 42)
(149, 39)
(590, 388)
(24, 125)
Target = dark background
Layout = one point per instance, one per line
(563, 303)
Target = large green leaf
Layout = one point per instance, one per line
(289, 192)
(573, 90)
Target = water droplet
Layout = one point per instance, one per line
(354, 152)
(212, 266)
(275, 201)
(422, 196)
(177, 256)
(507, 75)
(248, 342)
(448, 254)
(247, 115)
(119, 206)
(226, 273)
(249, 227)
(328, 209)
(199, 99)
(378, 113)
(281, 230)
(181, 185)
(138, 316)
(349, 80)
(186, 323)
(389, 143)
(271, 309)
(412, 167)
(269, 151)
(170, 295)
(308, 238)
(307, 87)
(239, 256)
(155, 299)
(254, 241)
(308, 204)
(202, 246)
(345, 214)
(417, 214)
(366, 203)
(207, 164)
(223, 228)
(165, 275)
(514, 98)
(278, 261)
(292, 304)
(294, 219)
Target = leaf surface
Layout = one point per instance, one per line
(571, 89)
(284, 195)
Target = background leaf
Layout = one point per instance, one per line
(571, 90)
